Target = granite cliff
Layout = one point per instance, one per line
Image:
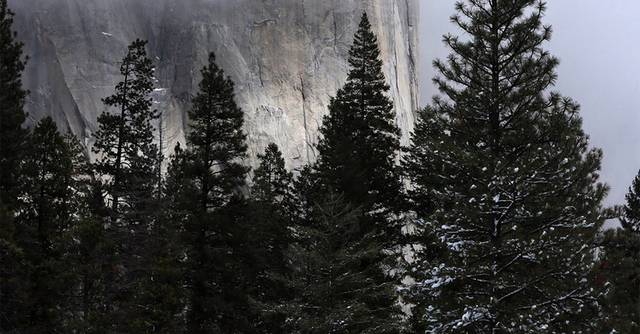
(287, 58)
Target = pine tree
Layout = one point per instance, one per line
(163, 291)
(174, 267)
(619, 273)
(12, 140)
(85, 243)
(46, 214)
(511, 180)
(12, 115)
(92, 260)
(128, 159)
(272, 215)
(124, 140)
(359, 139)
(357, 159)
(619, 269)
(273, 183)
(631, 211)
(327, 276)
(213, 231)
(11, 263)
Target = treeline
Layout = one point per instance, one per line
(489, 222)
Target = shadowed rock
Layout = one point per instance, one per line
(287, 58)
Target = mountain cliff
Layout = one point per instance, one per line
(287, 58)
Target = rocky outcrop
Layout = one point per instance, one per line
(287, 58)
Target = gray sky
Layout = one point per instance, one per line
(597, 44)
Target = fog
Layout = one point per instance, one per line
(597, 43)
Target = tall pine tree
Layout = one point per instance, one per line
(511, 179)
(46, 214)
(359, 138)
(124, 141)
(12, 141)
(91, 253)
(213, 233)
(272, 215)
(327, 275)
(127, 159)
(619, 269)
(631, 211)
(163, 289)
(357, 159)
(12, 115)
(273, 183)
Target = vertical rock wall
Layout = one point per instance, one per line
(287, 58)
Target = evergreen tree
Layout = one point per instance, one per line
(124, 140)
(512, 182)
(11, 263)
(357, 159)
(213, 232)
(92, 259)
(273, 183)
(327, 275)
(619, 274)
(619, 269)
(163, 290)
(128, 159)
(86, 245)
(176, 214)
(631, 211)
(359, 139)
(272, 215)
(12, 115)
(420, 289)
(46, 214)
(12, 140)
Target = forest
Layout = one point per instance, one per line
(490, 221)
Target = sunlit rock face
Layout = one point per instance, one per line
(287, 58)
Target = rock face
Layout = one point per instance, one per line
(287, 58)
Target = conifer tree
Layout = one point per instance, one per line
(357, 159)
(124, 140)
(619, 269)
(359, 139)
(272, 215)
(213, 232)
(46, 214)
(631, 211)
(163, 290)
(327, 278)
(12, 288)
(12, 140)
(511, 179)
(92, 260)
(128, 158)
(619, 273)
(273, 183)
(12, 115)
(86, 242)
(176, 186)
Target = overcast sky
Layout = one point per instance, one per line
(598, 45)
